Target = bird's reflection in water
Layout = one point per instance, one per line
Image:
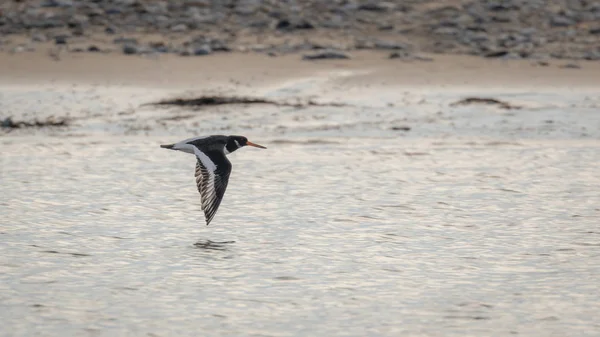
(212, 245)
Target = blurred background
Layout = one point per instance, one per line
(509, 28)
(431, 168)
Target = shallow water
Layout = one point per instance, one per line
(476, 222)
(356, 238)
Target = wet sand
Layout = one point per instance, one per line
(249, 69)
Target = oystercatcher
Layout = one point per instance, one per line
(213, 167)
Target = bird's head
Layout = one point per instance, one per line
(235, 142)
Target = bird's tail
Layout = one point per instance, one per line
(170, 146)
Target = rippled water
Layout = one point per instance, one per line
(478, 221)
(345, 237)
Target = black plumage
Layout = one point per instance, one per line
(212, 166)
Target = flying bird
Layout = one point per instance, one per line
(212, 166)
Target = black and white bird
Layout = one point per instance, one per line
(212, 166)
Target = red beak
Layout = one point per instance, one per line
(255, 145)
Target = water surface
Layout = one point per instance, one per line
(348, 238)
(476, 222)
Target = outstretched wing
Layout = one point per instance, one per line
(212, 176)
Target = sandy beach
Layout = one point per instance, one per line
(123, 85)
(256, 70)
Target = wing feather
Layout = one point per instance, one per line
(212, 176)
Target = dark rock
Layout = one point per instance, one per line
(502, 18)
(497, 53)
(286, 24)
(403, 55)
(78, 31)
(130, 49)
(39, 37)
(113, 11)
(304, 25)
(78, 21)
(44, 23)
(401, 128)
(390, 45)
(61, 39)
(110, 30)
(381, 44)
(215, 45)
(58, 3)
(593, 55)
(283, 24)
(93, 49)
(397, 55)
(326, 55)
(502, 6)
(219, 46)
(125, 40)
(561, 21)
(7, 123)
(202, 50)
(376, 6)
(159, 47)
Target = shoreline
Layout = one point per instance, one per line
(249, 71)
(365, 96)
